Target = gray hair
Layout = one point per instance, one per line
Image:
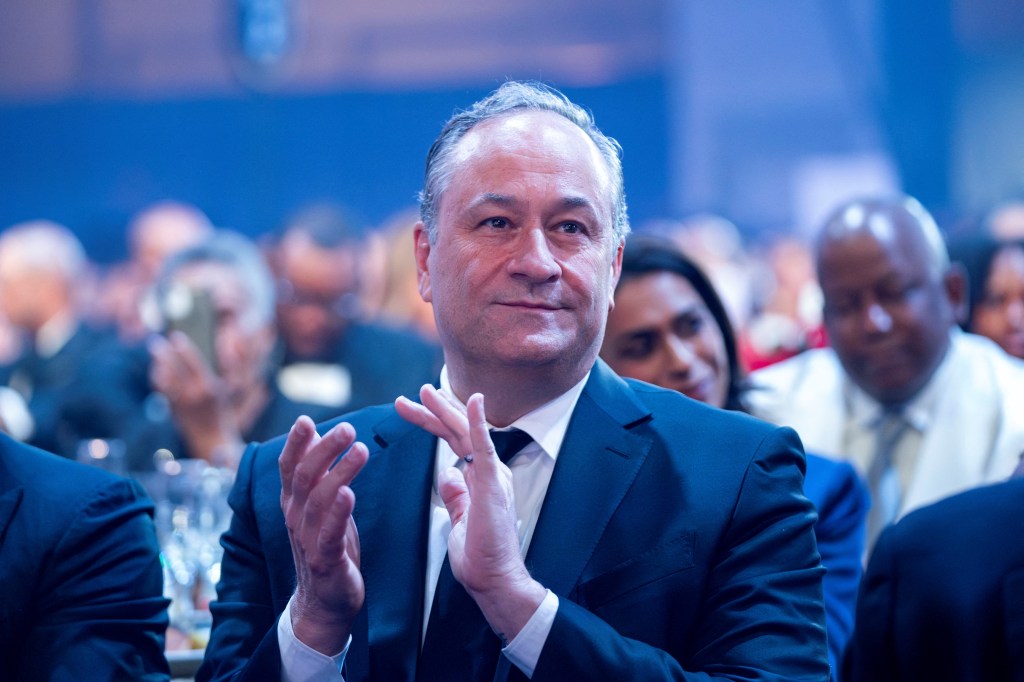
(43, 245)
(239, 253)
(515, 96)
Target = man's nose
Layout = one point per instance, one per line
(1015, 313)
(533, 258)
(878, 319)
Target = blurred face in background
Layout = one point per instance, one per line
(999, 314)
(29, 297)
(887, 311)
(662, 332)
(318, 289)
(242, 346)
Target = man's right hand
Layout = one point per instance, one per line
(317, 503)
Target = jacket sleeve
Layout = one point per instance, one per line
(761, 610)
(102, 613)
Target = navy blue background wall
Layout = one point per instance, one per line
(249, 161)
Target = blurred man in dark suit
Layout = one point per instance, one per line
(943, 596)
(81, 587)
(75, 378)
(332, 355)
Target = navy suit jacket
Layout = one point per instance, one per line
(675, 535)
(943, 595)
(81, 588)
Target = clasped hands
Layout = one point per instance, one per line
(483, 546)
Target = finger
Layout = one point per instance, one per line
(321, 506)
(333, 533)
(315, 462)
(419, 415)
(164, 365)
(452, 415)
(299, 439)
(479, 434)
(422, 416)
(452, 401)
(351, 463)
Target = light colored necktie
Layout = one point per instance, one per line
(884, 475)
(1019, 471)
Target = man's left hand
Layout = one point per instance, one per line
(483, 546)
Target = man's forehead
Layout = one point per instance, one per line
(537, 131)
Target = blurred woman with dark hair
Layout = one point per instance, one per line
(995, 276)
(669, 328)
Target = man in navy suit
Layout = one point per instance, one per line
(943, 595)
(635, 534)
(81, 587)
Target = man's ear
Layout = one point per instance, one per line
(956, 286)
(616, 266)
(421, 251)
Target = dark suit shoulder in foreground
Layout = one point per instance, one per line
(943, 595)
(81, 587)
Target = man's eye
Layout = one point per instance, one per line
(571, 228)
(995, 300)
(841, 306)
(499, 223)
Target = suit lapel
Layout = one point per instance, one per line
(9, 501)
(599, 460)
(392, 493)
(10, 493)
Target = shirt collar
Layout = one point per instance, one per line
(546, 424)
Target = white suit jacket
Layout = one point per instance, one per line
(977, 425)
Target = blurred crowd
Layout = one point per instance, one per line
(204, 339)
(323, 317)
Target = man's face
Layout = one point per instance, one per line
(525, 260)
(316, 285)
(887, 316)
(30, 296)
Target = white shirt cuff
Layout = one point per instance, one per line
(524, 650)
(300, 663)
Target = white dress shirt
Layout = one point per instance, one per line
(531, 473)
(967, 426)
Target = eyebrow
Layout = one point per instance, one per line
(569, 202)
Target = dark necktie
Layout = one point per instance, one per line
(460, 645)
(509, 443)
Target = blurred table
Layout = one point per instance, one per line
(191, 514)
